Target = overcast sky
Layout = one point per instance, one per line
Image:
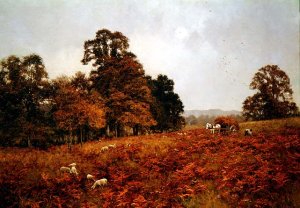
(211, 49)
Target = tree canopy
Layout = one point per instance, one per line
(23, 90)
(106, 45)
(76, 109)
(167, 108)
(273, 98)
(120, 79)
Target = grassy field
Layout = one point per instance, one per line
(280, 126)
(190, 168)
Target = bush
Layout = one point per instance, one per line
(227, 121)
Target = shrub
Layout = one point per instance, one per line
(227, 121)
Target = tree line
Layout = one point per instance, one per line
(116, 99)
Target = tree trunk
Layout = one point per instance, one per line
(81, 136)
(29, 138)
(28, 141)
(116, 130)
(136, 130)
(107, 131)
(70, 140)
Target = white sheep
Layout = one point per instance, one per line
(112, 146)
(90, 177)
(105, 148)
(248, 132)
(65, 169)
(73, 170)
(101, 182)
(72, 164)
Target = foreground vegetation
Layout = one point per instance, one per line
(182, 169)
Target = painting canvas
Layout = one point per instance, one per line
(161, 103)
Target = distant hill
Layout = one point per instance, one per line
(210, 112)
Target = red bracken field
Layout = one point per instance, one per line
(181, 169)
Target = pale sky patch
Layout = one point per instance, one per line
(211, 49)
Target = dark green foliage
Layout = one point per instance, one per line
(24, 89)
(167, 107)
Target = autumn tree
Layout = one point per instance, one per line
(81, 82)
(23, 90)
(167, 108)
(75, 108)
(120, 79)
(273, 98)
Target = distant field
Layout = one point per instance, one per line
(189, 168)
(269, 126)
(278, 125)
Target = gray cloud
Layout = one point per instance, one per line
(210, 48)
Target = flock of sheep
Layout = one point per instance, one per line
(72, 170)
(102, 182)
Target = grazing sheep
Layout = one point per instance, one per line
(72, 164)
(181, 133)
(73, 170)
(112, 146)
(248, 132)
(101, 182)
(90, 177)
(65, 169)
(105, 148)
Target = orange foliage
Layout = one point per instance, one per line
(227, 121)
(76, 109)
(130, 97)
(160, 170)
